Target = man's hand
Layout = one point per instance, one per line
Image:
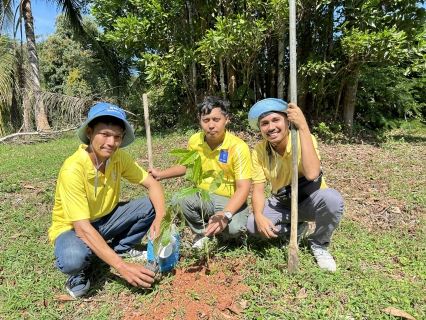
(265, 227)
(295, 115)
(136, 275)
(154, 231)
(154, 173)
(217, 223)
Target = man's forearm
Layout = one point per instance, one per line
(156, 195)
(258, 199)
(173, 172)
(239, 197)
(91, 237)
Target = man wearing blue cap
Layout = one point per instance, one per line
(87, 210)
(272, 162)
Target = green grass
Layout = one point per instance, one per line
(379, 245)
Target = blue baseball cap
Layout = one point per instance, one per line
(106, 109)
(265, 105)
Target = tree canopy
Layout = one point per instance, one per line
(360, 63)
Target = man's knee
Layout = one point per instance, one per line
(72, 254)
(251, 225)
(71, 261)
(334, 202)
(238, 225)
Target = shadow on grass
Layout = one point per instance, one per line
(409, 138)
(100, 273)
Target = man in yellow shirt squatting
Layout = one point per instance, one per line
(272, 162)
(227, 211)
(87, 210)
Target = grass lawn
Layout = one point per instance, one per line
(379, 246)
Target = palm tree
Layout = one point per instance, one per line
(32, 96)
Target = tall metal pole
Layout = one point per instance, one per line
(293, 248)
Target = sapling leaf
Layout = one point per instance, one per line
(205, 195)
(217, 181)
(198, 171)
(187, 191)
(179, 152)
(165, 226)
(165, 239)
(208, 174)
(189, 174)
(189, 157)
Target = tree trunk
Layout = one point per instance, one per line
(349, 99)
(193, 71)
(39, 111)
(222, 78)
(272, 62)
(281, 75)
(28, 123)
(232, 78)
(15, 115)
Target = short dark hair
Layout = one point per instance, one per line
(211, 102)
(107, 120)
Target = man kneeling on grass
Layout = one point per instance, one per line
(87, 210)
(227, 211)
(272, 162)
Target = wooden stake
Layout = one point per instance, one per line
(293, 248)
(148, 131)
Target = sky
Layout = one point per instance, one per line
(44, 17)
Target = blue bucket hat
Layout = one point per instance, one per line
(106, 109)
(265, 105)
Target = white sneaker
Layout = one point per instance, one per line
(324, 259)
(134, 255)
(200, 241)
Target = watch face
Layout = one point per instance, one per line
(228, 215)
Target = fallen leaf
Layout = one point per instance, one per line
(398, 313)
(28, 186)
(63, 297)
(394, 209)
(15, 236)
(302, 294)
(242, 304)
(396, 277)
(234, 310)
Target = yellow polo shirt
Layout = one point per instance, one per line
(75, 191)
(232, 156)
(275, 168)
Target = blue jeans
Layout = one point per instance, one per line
(126, 225)
(324, 206)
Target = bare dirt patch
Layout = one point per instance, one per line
(196, 292)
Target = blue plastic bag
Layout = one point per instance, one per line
(168, 256)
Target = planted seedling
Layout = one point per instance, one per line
(195, 175)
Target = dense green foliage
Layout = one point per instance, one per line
(233, 49)
(361, 63)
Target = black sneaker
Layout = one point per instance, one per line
(78, 284)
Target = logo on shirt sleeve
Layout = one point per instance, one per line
(223, 156)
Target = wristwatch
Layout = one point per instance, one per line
(228, 215)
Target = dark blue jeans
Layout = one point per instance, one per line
(126, 225)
